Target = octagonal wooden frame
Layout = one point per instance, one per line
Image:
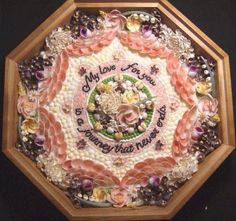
(201, 42)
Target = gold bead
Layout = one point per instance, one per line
(91, 107)
(118, 136)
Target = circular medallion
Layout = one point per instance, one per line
(120, 107)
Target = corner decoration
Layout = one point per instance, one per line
(117, 109)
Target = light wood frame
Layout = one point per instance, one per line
(201, 42)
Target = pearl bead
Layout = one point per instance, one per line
(146, 18)
(130, 130)
(110, 130)
(153, 20)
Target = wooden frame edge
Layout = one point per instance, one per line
(170, 210)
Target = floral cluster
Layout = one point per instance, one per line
(158, 192)
(121, 107)
(27, 105)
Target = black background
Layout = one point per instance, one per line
(21, 201)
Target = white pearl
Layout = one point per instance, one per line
(128, 83)
(146, 18)
(141, 16)
(144, 115)
(130, 130)
(135, 16)
(97, 116)
(110, 130)
(153, 20)
(142, 106)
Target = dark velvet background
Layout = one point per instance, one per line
(21, 201)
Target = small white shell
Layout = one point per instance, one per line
(118, 77)
(97, 116)
(144, 115)
(142, 95)
(142, 106)
(135, 16)
(139, 85)
(110, 130)
(146, 18)
(124, 85)
(142, 127)
(142, 17)
(130, 130)
(153, 20)
(128, 83)
(97, 97)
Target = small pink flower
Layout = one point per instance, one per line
(128, 114)
(26, 105)
(118, 197)
(208, 105)
(66, 107)
(174, 106)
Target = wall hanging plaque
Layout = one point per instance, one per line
(118, 107)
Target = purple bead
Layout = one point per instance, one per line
(197, 132)
(84, 32)
(27, 74)
(39, 75)
(87, 185)
(146, 30)
(39, 140)
(192, 71)
(166, 196)
(154, 181)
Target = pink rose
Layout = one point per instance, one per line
(118, 197)
(128, 114)
(208, 105)
(115, 19)
(26, 106)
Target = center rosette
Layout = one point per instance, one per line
(120, 107)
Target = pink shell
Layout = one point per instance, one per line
(182, 137)
(95, 43)
(147, 45)
(54, 136)
(94, 171)
(149, 167)
(53, 84)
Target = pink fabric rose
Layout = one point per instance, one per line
(208, 105)
(115, 19)
(118, 197)
(26, 106)
(127, 114)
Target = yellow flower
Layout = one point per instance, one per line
(102, 13)
(91, 107)
(100, 87)
(108, 88)
(105, 88)
(130, 97)
(216, 118)
(98, 126)
(99, 194)
(29, 125)
(133, 23)
(203, 88)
